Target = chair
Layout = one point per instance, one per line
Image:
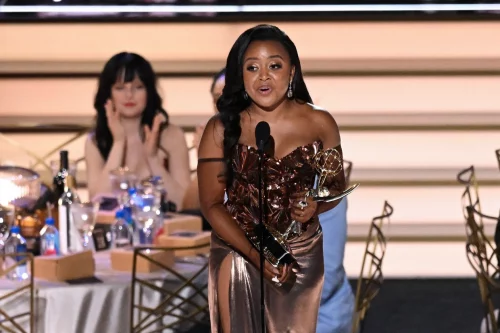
(497, 152)
(347, 171)
(470, 196)
(10, 322)
(481, 255)
(371, 277)
(183, 293)
(42, 159)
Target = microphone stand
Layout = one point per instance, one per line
(261, 247)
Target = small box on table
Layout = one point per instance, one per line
(65, 267)
(187, 238)
(106, 217)
(177, 222)
(123, 260)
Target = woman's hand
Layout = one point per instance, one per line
(271, 273)
(151, 136)
(114, 122)
(303, 208)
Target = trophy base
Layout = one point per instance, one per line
(331, 198)
(276, 251)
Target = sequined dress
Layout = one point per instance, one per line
(293, 307)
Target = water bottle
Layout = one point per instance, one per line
(127, 208)
(15, 243)
(121, 231)
(49, 237)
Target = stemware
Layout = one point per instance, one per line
(147, 215)
(7, 217)
(122, 179)
(84, 219)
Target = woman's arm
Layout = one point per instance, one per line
(192, 196)
(212, 187)
(177, 178)
(330, 136)
(97, 169)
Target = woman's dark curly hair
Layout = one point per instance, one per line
(125, 66)
(232, 101)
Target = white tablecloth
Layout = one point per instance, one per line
(90, 308)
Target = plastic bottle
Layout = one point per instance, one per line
(121, 231)
(49, 239)
(14, 244)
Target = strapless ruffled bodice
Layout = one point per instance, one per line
(283, 177)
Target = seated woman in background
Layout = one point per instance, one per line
(191, 199)
(132, 129)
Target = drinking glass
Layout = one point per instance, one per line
(146, 214)
(122, 235)
(7, 217)
(122, 179)
(84, 219)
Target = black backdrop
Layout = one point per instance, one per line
(421, 13)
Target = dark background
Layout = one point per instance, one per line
(218, 17)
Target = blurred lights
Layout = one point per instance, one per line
(9, 191)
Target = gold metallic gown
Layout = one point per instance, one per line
(293, 307)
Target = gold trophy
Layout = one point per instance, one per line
(328, 163)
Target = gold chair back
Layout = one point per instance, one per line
(347, 171)
(497, 153)
(470, 196)
(482, 254)
(183, 294)
(371, 277)
(22, 294)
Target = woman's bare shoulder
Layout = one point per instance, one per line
(215, 127)
(91, 138)
(324, 124)
(320, 117)
(171, 135)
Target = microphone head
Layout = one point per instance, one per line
(262, 133)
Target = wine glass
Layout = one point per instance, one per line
(84, 219)
(146, 214)
(122, 179)
(7, 217)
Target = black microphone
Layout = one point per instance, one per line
(262, 134)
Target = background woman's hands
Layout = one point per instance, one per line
(114, 122)
(152, 135)
(303, 214)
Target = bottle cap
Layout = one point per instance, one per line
(132, 191)
(15, 229)
(49, 221)
(120, 214)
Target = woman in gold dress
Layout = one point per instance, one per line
(264, 82)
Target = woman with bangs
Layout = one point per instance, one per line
(132, 129)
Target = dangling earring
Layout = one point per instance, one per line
(245, 95)
(289, 94)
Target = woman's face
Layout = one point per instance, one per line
(217, 91)
(129, 98)
(267, 72)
